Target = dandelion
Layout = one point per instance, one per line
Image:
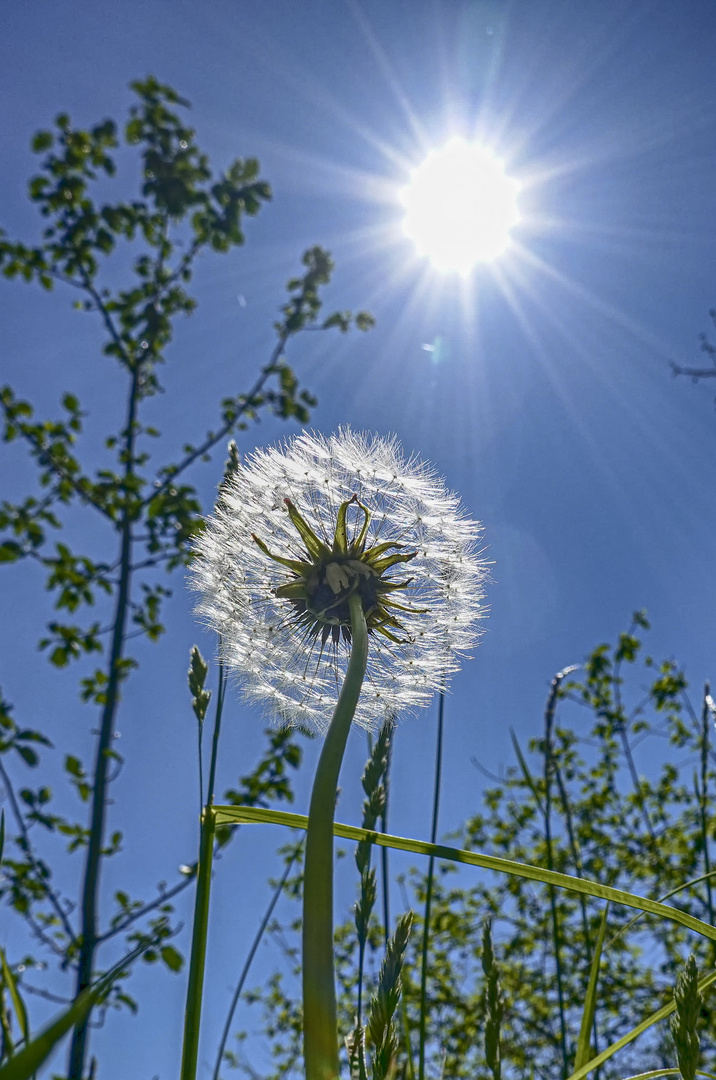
(346, 584)
(301, 527)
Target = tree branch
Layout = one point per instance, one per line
(49, 892)
(211, 440)
(145, 909)
(694, 373)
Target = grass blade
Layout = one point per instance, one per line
(655, 1018)
(590, 1002)
(27, 1062)
(655, 1073)
(255, 814)
(17, 1003)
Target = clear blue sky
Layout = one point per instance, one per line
(546, 400)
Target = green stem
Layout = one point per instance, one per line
(195, 987)
(384, 851)
(704, 804)
(429, 889)
(320, 1039)
(549, 768)
(192, 1014)
(221, 694)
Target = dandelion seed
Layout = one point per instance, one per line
(302, 526)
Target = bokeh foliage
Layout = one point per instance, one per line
(149, 513)
(618, 788)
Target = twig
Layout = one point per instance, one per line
(225, 428)
(49, 892)
(145, 909)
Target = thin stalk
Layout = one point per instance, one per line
(320, 1039)
(220, 696)
(631, 765)
(192, 1014)
(573, 845)
(90, 888)
(361, 964)
(429, 889)
(362, 936)
(195, 985)
(577, 859)
(249, 960)
(200, 732)
(384, 851)
(406, 1037)
(548, 772)
(704, 803)
(386, 910)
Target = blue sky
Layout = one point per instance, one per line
(539, 387)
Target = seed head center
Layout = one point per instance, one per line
(321, 582)
(330, 586)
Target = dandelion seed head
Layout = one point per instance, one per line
(284, 629)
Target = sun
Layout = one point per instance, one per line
(460, 206)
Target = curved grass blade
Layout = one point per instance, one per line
(590, 1002)
(27, 1062)
(667, 1072)
(659, 1015)
(256, 814)
(17, 1003)
(667, 896)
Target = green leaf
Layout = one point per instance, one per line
(73, 766)
(364, 321)
(10, 551)
(29, 756)
(590, 1001)
(172, 957)
(42, 140)
(17, 1002)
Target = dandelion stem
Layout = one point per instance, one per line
(319, 990)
